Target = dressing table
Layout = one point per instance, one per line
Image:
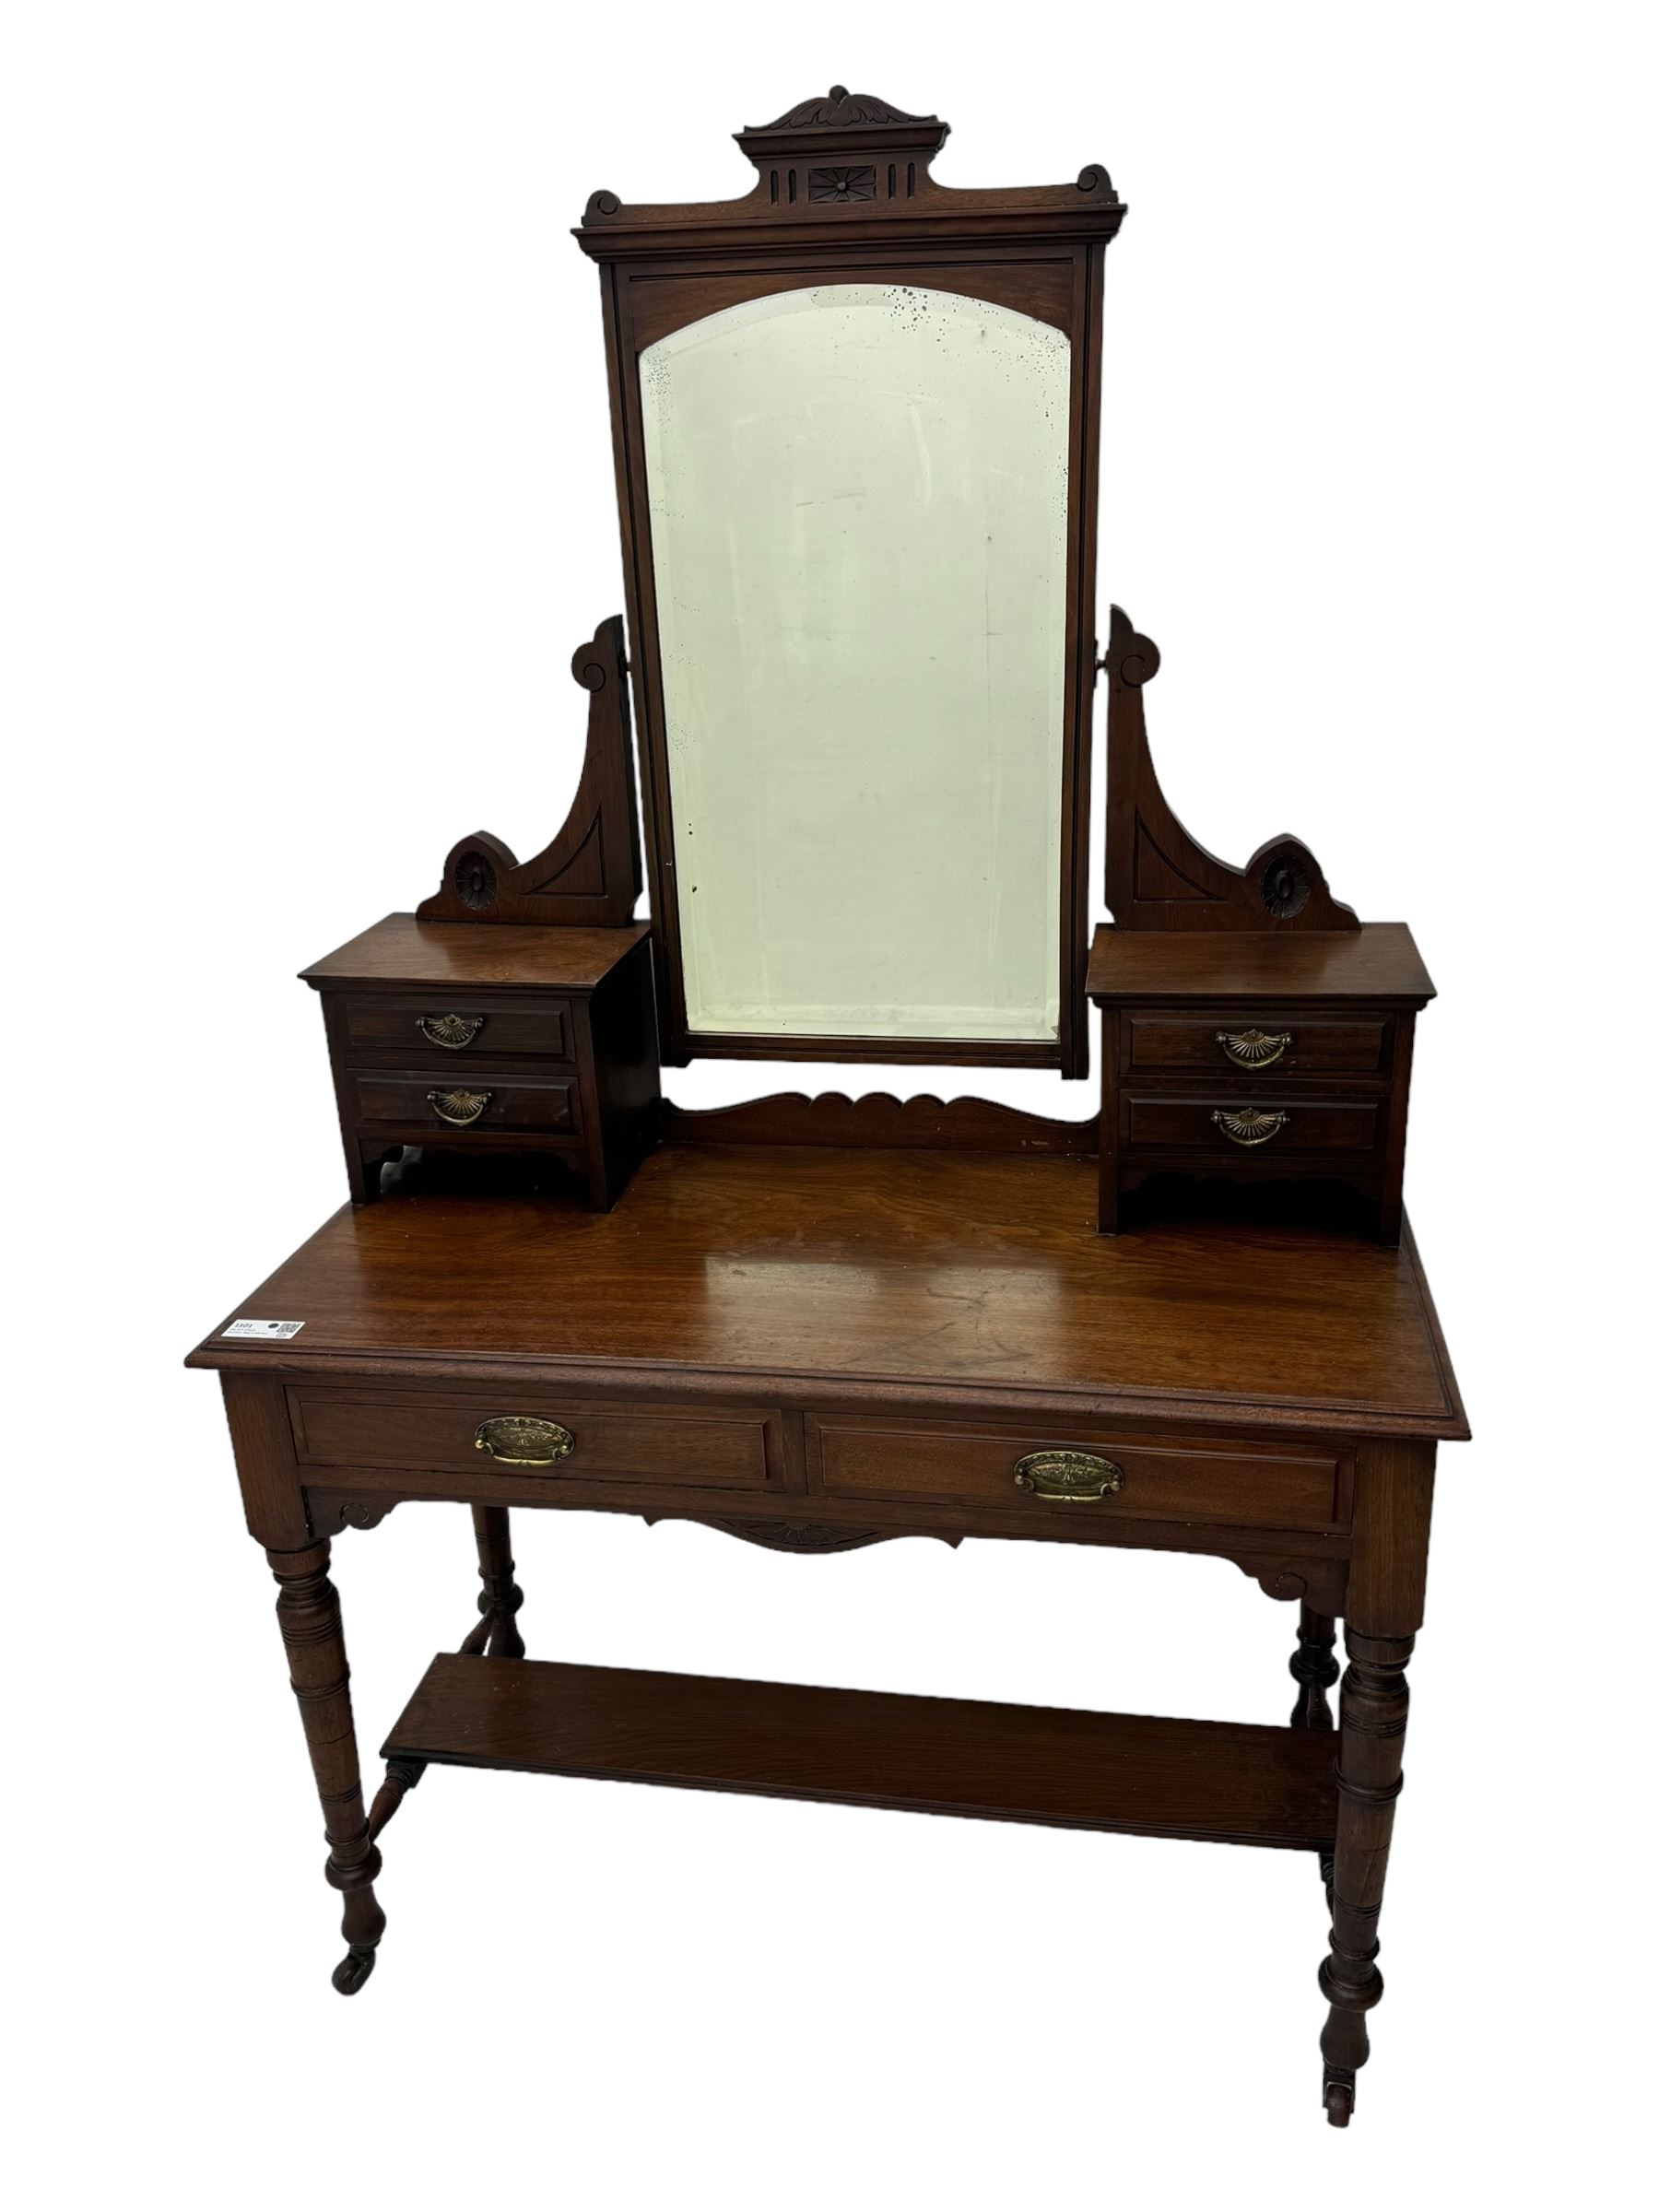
(856, 423)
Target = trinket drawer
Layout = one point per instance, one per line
(509, 1039)
(1257, 1058)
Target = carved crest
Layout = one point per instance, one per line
(839, 112)
(851, 155)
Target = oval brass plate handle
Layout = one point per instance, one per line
(518, 1440)
(460, 1109)
(1253, 1048)
(1069, 1477)
(452, 1031)
(1247, 1126)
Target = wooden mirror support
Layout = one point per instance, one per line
(1159, 877)
(1253, 1032)
(589, 873)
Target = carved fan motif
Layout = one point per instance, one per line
(475, 880)
(1286, 885)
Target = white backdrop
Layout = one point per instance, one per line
(307, 499)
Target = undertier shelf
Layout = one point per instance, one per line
(1215, 1781)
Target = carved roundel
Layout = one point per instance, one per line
(840, 186)
(1285, 886)
(475, 879)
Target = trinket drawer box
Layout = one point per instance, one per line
(513, 1038)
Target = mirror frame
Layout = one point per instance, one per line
(843, 195)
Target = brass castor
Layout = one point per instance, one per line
(353, 1970)
(1338, 2097)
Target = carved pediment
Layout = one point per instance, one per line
(838, 111)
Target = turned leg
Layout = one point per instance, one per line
(308, 1611)
(1313, 1665)
(1369, 1745)
(496, 1633)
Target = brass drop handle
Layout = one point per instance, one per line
(1068, 1477)
(460, 1109)
(1254, 1048)
(452, 1031)
(1248, 1125)
(518, 1440)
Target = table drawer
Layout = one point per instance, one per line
(1252, 1123)
(480, 1098)
(1235, 1485)
(1175, 1041)
(437, 1433)
(442, 1032)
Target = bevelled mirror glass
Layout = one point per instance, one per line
(858, 509)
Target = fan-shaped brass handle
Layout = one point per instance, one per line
(1248, 1125)
(1068, 1477)
(1254, 1048)
(452, 1031)
(518, 1440)
(460, 1109)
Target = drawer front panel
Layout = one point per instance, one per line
(448, 1106)
(1239, 1486)
(441, 1034)
(1179, 1043)
(1189, 1124)
(435, 1433)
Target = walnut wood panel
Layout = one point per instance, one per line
(514, 1100)
(436, 1431)
(880, 1118)
(1288, 1563)
(947, 1279)
(1182, 1041)
(263, 1444)
(1208, 1780)
(537, 1028)
(1244, 1485)
(1378, 962)
(1159, 1122)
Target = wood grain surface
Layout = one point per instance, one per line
(1212, 1780)
(426, 955)
(929, 1277)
